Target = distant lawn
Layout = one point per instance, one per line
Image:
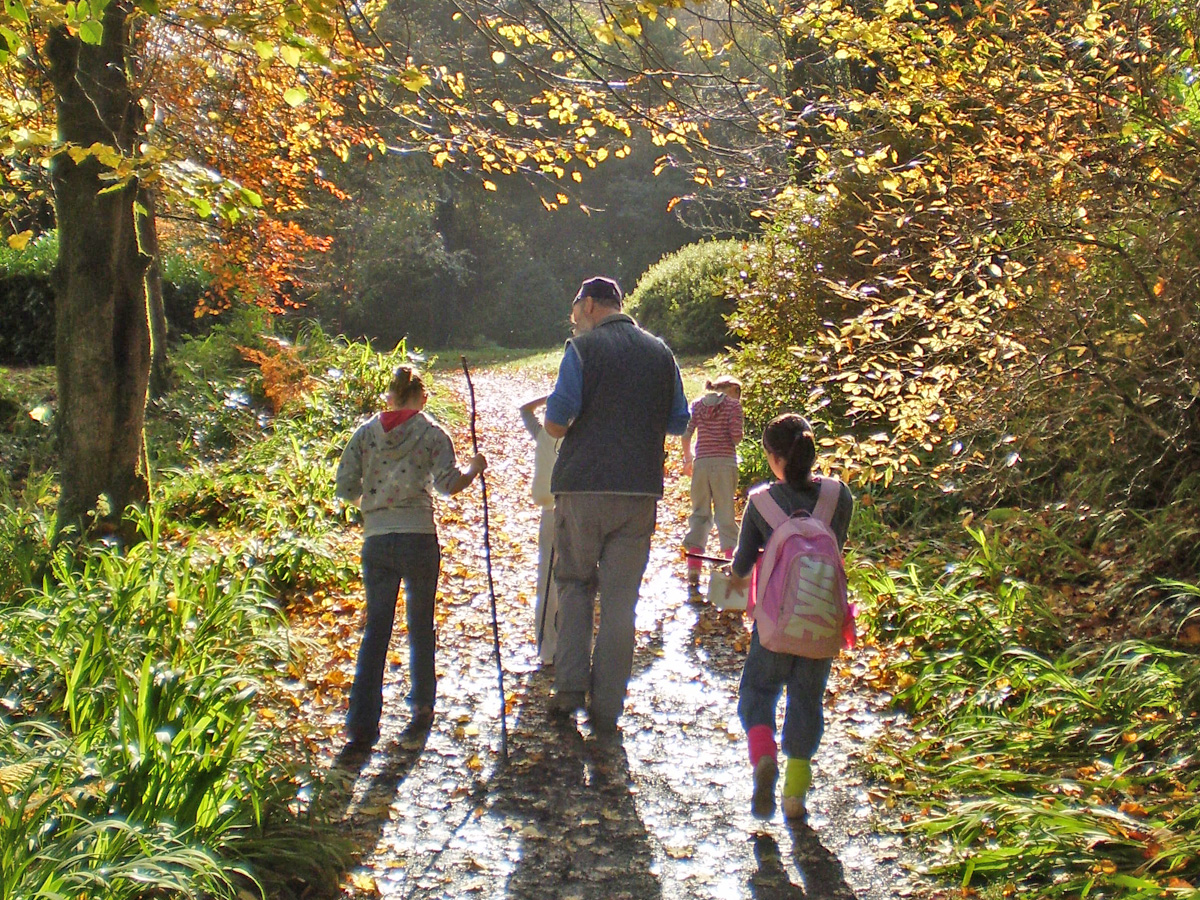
(695, 369)
(535, 361)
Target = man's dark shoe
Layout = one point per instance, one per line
(603, 726)
(566, 703)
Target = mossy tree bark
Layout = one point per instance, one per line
(147, 236)
(103, 337)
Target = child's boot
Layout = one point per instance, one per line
(766, 771)
(797, 779)
(693, 566)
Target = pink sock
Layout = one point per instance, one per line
(762, 743)
(728, 554)
(692, 562)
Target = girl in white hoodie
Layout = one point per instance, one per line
(389, 469)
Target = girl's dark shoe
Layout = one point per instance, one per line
(422, 720)
(359, 742)
(413, 736)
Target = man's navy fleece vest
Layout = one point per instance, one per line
(615, 446)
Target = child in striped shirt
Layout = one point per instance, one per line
(716, 424)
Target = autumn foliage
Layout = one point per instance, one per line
(284, 375)
(989, 275)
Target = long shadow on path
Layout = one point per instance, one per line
(557, 819)
(821, 875)
(581, 835)
(360, 788)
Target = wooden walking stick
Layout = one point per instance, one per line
(715, 560)
(487, 557)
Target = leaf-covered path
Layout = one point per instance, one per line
(663, 812)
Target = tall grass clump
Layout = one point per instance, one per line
(1042, 766)
(141, 752)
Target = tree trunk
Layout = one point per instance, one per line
(147, 236)
(102, 349)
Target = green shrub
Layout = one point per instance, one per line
(27, 299)
(23, 534)
(27, 444)
(37, 260)
(686, 296)
(184, 283)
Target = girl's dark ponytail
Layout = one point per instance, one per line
(790, 437)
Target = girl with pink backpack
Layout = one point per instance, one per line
(804, 641)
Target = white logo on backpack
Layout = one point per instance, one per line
(800, 599)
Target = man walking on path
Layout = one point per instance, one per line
(619, 393)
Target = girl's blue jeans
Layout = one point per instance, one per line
(388, 560)
(765, 676)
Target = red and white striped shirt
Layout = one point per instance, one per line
(717, 422)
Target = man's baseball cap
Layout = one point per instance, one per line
(603, 289)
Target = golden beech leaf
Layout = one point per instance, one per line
(365, 883)
(414, 80)
(20, 241)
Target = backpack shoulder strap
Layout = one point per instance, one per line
(827, 500)
(762, 500)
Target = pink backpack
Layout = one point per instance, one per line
(799, 587)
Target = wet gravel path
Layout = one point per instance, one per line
(663, 811)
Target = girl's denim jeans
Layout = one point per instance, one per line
(387, 560)
(764, 676)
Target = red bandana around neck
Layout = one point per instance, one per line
(394, 418)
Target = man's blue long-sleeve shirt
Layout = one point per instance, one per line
(566, 401)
